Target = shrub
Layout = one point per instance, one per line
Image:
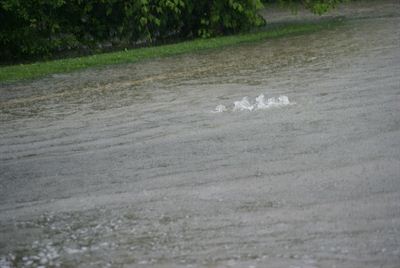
(44, 27)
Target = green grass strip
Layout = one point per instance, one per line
(39, 69)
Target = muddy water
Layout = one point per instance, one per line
(128, 166)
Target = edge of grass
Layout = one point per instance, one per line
(39, 69)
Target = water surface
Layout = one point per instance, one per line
(127, 166)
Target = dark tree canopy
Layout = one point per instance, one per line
(44, 27)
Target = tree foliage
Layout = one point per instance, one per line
(44, 27)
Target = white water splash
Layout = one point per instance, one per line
(44, 255)
(76, 250)
(220, 109)
(6, 262)
(260, 104)
(243, 105)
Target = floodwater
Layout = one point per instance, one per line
(130, 165)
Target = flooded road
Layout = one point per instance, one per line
(129, 166)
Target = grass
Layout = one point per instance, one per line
(39, 69)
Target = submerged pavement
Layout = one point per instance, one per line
(130, 166)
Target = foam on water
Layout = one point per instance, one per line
(75, 250)
(43, 255)
(260, 104)
(220, 109)
(243, 105)
(5, 262)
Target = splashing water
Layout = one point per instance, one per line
(6, 262)
(260, 104)
(243, 105)
(271, 102)
(220, 109)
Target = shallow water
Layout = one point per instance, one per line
(127, 165)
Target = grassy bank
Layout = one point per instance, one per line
(39, 69)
